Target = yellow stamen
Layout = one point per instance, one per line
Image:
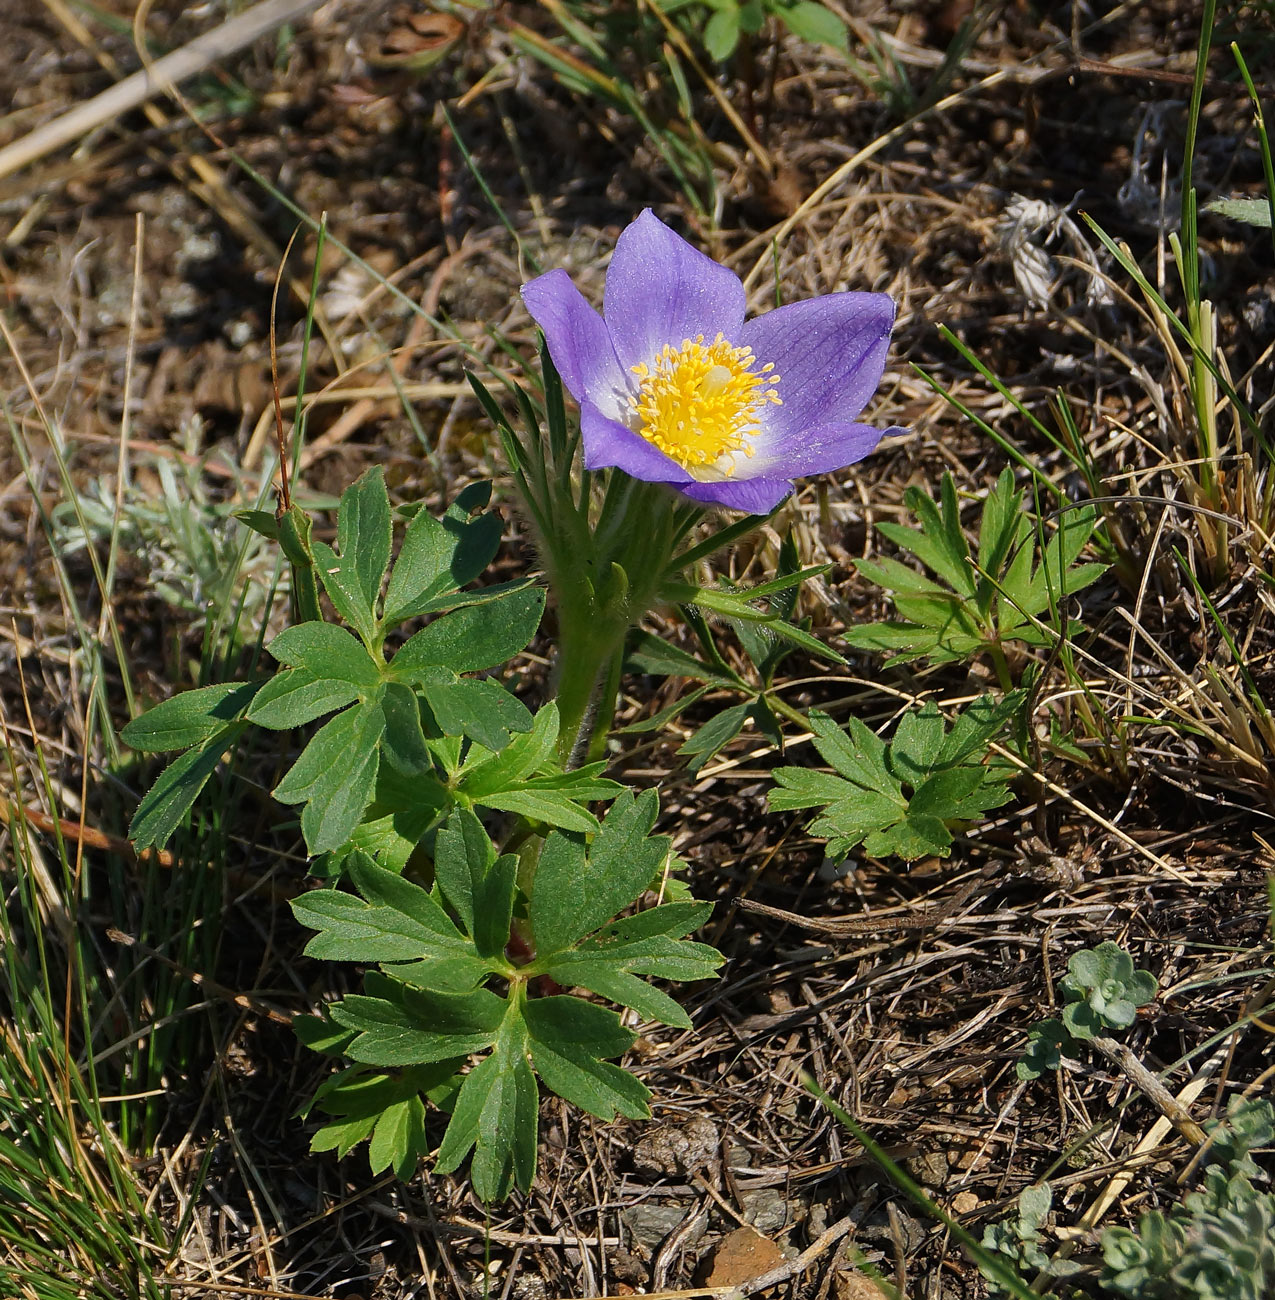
(699, 404)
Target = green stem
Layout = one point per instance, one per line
(789, 712)
(1001, 664)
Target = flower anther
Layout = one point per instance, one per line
(699, 403)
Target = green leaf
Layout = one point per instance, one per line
(260, 521)
(1047, 1043)
(335, 776)
(363, 533)
(295, 696)
(403, 741)
(1018, 580)
(721, 33)
(398, 1140)
(495, 1116)
(802, 787)
(940, 542)
(713, 735)
(869, 803)
(190, 718)
(166, 804)
(326, 651)
(574, 895)
(859, 756)
(319, 1034)
(815, 23)
(331, 744)
(479, 887)
(568, 1039)
(343, 1135)
(652, 654)
(477, 707)
(1256, 212)
(420, 1026)
(394, 921)
(353, 578)
(957, 794)
(341, 581)
(474, 637)
(917, 744)
(552, 807)
(525, 755)
(404, 809)
(671, 920)
(610, 967)
(437, 558)
(555, 797)
(917, 836)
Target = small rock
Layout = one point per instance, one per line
(855, 1286)
(765, 1209)
(965, 1203)
(929, 1169)
(741, 1256)
(650, 1224)
(677, 1148)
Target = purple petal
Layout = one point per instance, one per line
(578, 341)
(608, 443)
(661, 290)
(754, 496)
(816, 450)
(829, 354)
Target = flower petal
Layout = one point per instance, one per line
(661, 290)
(754, 496)
(607, 443)
(815, 450)
(829, 354)
(578, 342)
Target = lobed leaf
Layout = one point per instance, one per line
(495, 1117)
(325, 650)
(575, 894)
(295, 696)
(190, 718)
(474, 637)
(165, 805)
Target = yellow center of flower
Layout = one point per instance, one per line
(699, 403)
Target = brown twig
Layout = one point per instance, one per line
(182, 64)
(847, 925)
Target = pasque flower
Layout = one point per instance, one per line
(676, 387)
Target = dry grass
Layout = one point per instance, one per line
(1155, 835)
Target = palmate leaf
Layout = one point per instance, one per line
(495, 1116)
(387, 1111)
(428, 1007)
(525, 777)
(439, 556)
(905, 798)
(353, 577)
(980, 600)
(191, 717)
(579, 888)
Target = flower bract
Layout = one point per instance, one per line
(676, 387)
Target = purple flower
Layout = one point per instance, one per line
(675, 387)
